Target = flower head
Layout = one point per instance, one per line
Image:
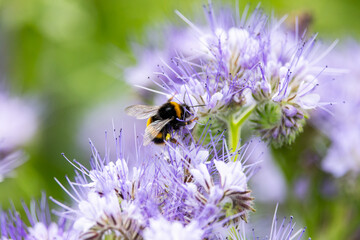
(250, 61)
(41, 226)
(190, 186)
(284, 84)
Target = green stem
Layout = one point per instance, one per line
(235, 123)
(234, 135)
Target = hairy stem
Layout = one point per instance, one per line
(235, 123)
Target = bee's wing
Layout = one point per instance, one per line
(153, 129)
(142, 111)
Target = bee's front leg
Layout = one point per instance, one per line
(190, 121)
(170, 99)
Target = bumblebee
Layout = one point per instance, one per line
(162, 120)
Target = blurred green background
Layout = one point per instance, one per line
(67, 53)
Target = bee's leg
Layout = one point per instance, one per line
(170, 99)
(173, 140)
(190, 121)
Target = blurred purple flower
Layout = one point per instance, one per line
(268, 184)
(160, 53)
(103, 117)
(9, 162)
(18, 122)
(342, 125)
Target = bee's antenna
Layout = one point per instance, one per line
(151, 90)
(198, 105)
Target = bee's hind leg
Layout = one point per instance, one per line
(169, 138)
(173, 140)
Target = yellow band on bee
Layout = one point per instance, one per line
(160, 135)
(177, 109)
(149, 121)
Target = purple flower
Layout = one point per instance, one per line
(158, 57)
(250, 62)
(18, 122)
(228, 55)
(103, 117)
(191, 187)
(284, 83)
(268, 184)
(9, 163)
(280, 230)
(41, 225)
(341, 120)
(110, 199)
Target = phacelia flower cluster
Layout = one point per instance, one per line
(185, 188)
(196, 184)
(194, 192)
(249, 62)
